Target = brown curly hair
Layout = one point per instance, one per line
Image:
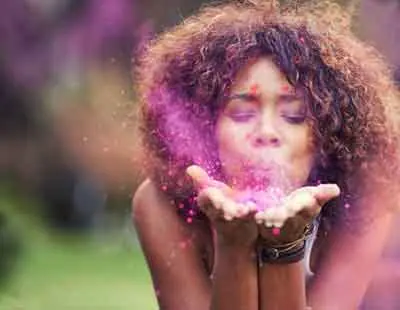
(185, 74)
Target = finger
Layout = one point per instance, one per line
(245, 209)
(241, 209)
(213, 202)
(229, 209)
(199, 176)
(252, 206)
(259, 216)
(280, 216)
(302, 199)
(325, 192)
(201, 179)
(264, 217)
(210, 196)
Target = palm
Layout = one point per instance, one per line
(297, 211)
(293, 229)
(243, 230)
(232, 221)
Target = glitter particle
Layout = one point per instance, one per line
(276, 231)
(254, 89)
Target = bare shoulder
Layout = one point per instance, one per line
(172, 249)
(152, 211)
(154, 215)
(146, 199)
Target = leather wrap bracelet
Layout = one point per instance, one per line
(286, 253)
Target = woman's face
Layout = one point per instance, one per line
(263, 135)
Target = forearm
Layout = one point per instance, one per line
(282, 286)
(234, 278)
(333, 288)
(345, 253)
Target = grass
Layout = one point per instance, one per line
(102, 271)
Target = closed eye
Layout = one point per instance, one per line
(241, 116)
(295, 119)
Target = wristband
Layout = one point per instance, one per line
(293, 254)
(287, 253)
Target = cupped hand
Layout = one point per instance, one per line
(288, 221)
(232, 220)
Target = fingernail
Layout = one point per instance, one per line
(268, 224)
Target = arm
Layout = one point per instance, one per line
(234, 277)
(282, 278)
(181, 281)
(282, 286)
(178, 275)
(346, 265)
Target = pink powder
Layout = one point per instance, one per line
(254, 89)
(276, 231)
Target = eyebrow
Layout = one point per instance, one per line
(286, 97)
(243, 95)
(290, 97)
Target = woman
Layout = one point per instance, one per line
(259, 123)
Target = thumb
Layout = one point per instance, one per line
(325, 192)
(202, 180)
(199, 176)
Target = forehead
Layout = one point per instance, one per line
(261, 73)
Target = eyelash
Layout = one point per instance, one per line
(295, 119)
(241, 116)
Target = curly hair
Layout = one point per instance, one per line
(184, 77)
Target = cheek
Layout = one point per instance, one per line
(302, 156)
(232, 144)
(233, 139)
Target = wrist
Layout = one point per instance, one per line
(235, 238)
(283, 253)
(286, 254)
(229, 243)
(236, 253)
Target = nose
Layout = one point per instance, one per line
(267, 133)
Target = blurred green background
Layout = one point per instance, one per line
(103, 269)
(69, 155)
